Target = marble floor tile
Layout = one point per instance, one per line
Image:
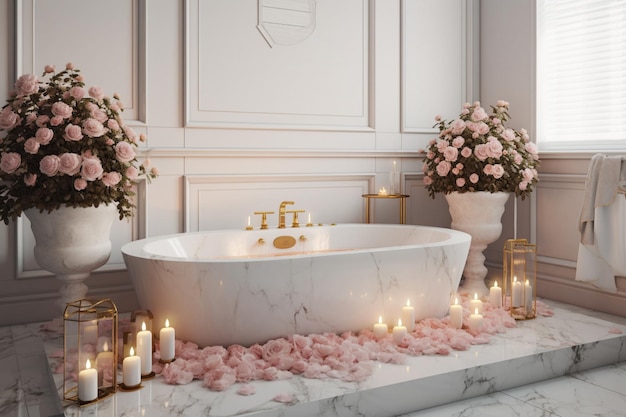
(519, 372)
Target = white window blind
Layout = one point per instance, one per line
(581, 74)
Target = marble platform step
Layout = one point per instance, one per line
(571, 341)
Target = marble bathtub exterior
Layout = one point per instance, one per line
(571, 364)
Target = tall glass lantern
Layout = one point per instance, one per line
(519, 279)
(89, 349)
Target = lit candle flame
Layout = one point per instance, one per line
(143, 326)
(105, 347)
(495, 284)
(132, 352)
(88, 364)
(167, 323)
(399, 322)
(380, 319)
(408, 302)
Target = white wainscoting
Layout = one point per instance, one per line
(321, 83)
(225, 202)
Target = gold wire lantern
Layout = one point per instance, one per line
(89, 350)
(519, 280)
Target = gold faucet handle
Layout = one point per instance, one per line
(295, 223)
(263, 217)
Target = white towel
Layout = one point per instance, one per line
(602, 248)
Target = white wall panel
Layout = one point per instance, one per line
(559, 200)
(235, 78)
(434, 61)
(225, 202)
(105, 40)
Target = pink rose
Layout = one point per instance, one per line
(528, 174)
(111, 179)
(460, 182)
(56, 120)
(93, 128)
(42, 120)
(113, 125)
(62, 110)
(479, 114)
(48, 69)
(80, 184)
(132, 135)
(466, 152)
(49, 165)
(481, 151)
(73, 133)
(508, 135)
(10, 161)
(523, 185)
(450, 153)
(27, 84)
(458, 141)
(274, 349)
(44, 135)
(494, 148)
(443, 168)
(96, 92)
(474, 178)
(77, 92)
(427, 180)
(124, 152)
(482, 128)
(497, 171)
(31, 117)
(30, 179)
(457, 126)
(99, 115)
(8, 119)
(132, 173)
(31, 146)
(69, 163)
(532, 149)
(91, 169)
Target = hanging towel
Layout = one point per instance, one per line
(602, 224)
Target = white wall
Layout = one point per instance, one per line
(236, 125)
(508, 72)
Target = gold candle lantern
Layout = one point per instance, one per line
(519, 280)
(89, 344)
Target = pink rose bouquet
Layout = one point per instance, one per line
(64, 145)
(477, 152)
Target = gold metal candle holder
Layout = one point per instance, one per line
(89, 334)
(519, 279)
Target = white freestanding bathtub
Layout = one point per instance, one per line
(243, 287)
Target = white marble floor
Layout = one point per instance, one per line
(571, 364)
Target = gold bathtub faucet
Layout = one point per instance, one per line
(282, 210)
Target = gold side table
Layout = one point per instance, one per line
(401, 197)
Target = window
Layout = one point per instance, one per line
(581, 74)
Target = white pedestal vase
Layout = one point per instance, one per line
(71, 243)
(478, 214)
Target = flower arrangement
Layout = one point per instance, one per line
(64, 145)
(477, 152)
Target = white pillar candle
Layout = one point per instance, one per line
(167, 342)
(104, 363)
(476, 304)
(495, 295)
(408, 316)
(131, 370)
(380, 328)
(476, 320)
(88, 383)
(144, 349)
(399, 332)
(516, 293)
(456, 315)
(528, 296)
